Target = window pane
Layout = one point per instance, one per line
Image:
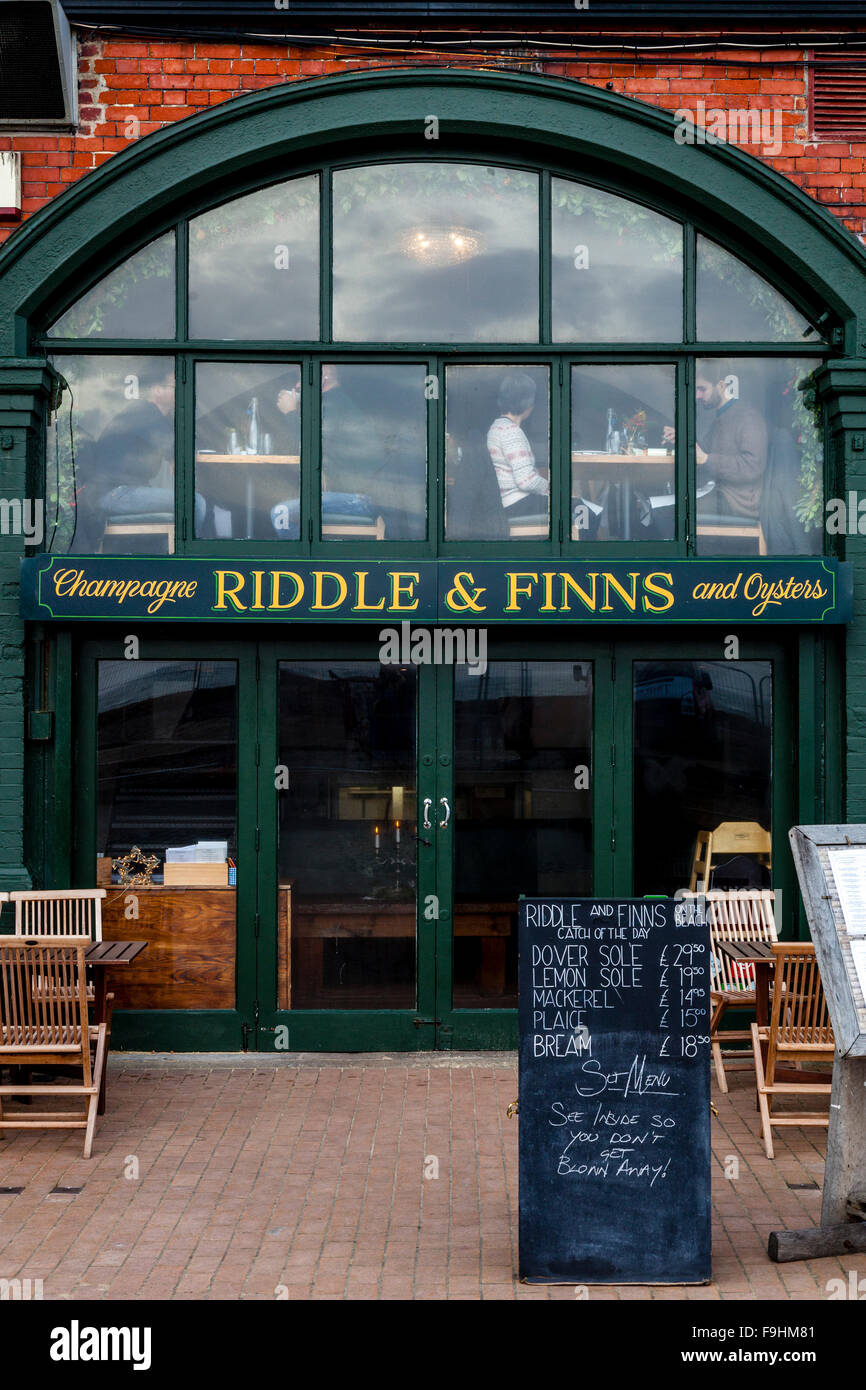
(623, 481)
(435, 253)
(497, 452)
(703, 759)
(617, 269)
(248, 450)
(167, 786)
(347, 836)
(135, 300)
(760, 459)
(254, 265)
(522, 811)
(110, 458)
(737, 305)
(374, 451)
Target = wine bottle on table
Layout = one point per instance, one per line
(253, 432)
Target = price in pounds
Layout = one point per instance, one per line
(690, 1042)
(690, 1018)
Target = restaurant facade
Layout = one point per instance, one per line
(449, 486)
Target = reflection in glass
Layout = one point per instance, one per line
(374, 451)
(760, 460)
(167, 785)
(135, 300)
(254, 265)
(347, 836)
(735, 304)
(497, 452)
(703, 740)
(617, 269)
(523, 810)
(435, 253)
(248, 448)
(623, 453)
(110, 458)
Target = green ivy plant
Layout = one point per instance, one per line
(784, 323)
(656, 234)
(808, 420)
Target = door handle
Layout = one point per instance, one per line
(428, 802)
(443, 801)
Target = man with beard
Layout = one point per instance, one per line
(735, 457)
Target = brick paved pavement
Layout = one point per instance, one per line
(307, 1174)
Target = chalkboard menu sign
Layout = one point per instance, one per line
(614, 1114)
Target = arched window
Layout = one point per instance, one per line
(429, 356)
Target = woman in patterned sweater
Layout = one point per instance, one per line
(523, 489)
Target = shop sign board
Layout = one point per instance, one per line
(614, 1091)
(831, 868)
(549, 591)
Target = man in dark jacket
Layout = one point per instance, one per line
(735, 456)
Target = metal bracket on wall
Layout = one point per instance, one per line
(40, 725)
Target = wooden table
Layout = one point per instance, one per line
(274, 460)
(103, 956)
(626, 466)
(760, 955)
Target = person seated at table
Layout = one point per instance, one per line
(347, 456)
(523, 490)
(129, 470)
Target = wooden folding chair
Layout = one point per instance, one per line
(59, 912)
(62, 912)
(735, 915)
(730, 838)
(799, 1030)
(43, 1022)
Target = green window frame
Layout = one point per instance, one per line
(559, 357)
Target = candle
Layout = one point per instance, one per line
(376, 835)
(397, 831)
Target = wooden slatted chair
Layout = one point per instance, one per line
(730, 838)
(59, 912)
(735, 915)
(47, 1026)
(799, 1030)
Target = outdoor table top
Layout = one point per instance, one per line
(113, 952)
(755, 952)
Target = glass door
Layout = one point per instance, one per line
(166, 779)
(347, 870)
(527, 792)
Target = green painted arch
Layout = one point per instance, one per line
(585, 132)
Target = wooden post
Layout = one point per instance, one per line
(845, 1170)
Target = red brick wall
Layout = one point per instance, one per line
(131, 87)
